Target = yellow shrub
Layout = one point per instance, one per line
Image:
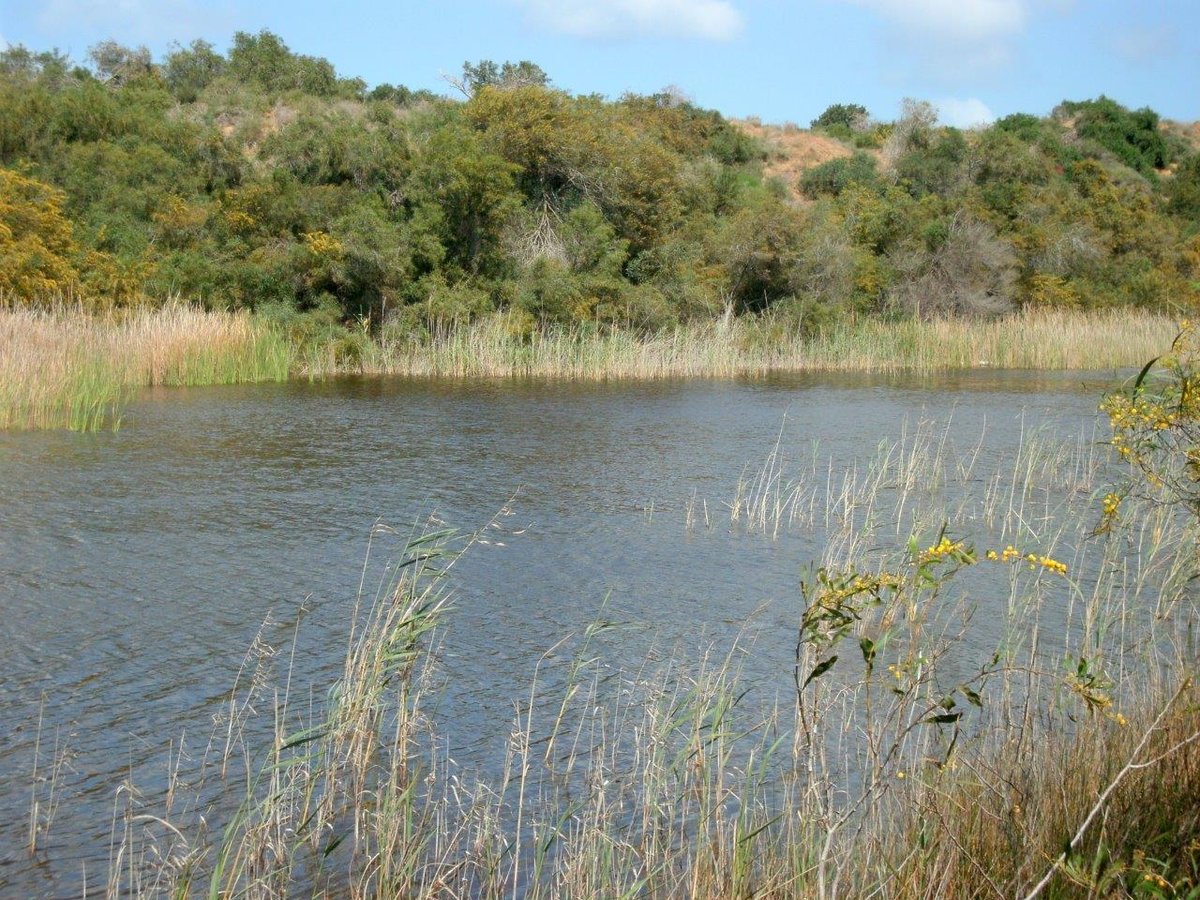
(36, 245)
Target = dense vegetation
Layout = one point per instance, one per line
(263, 179)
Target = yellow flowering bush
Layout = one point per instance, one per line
(1156, 429)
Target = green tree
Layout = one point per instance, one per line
(189, 70)
(853, 116)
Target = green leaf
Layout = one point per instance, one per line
(868, 650)
(1137, 385)
(821, 669)
(972, 697)
(944, 719)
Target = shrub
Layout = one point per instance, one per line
(832, 177)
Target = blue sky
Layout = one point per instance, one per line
(783, 60)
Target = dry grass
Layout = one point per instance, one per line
(793, 151)
(1030, 340)
(64, 368)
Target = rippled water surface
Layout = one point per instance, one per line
(136, 567)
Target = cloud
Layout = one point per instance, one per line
(952, 39)
(963, 20)
(966, 113)
(710, 20)
(136, 20)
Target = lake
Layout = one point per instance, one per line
(137, 567)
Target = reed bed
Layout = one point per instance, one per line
(728, 347)
(64, 368)
(907, 760)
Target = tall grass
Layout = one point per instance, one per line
(725, 347)
(1062, 757)
(64, 368)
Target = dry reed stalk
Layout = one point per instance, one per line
(61, 367)
(668, 781)
(1030, 339)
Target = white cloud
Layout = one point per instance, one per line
(712, 20)
(963, 20)
(950, 40)
(966, 113)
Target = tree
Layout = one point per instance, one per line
(912, 131)
(188, 71)
(117, 64)
(486, 73)
(36, 243)
(1183, 190)
(264, 59)
(832, 177)
(1133, 136)
(853, 116)
(961, 268)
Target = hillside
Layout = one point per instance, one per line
(265, 180)
(791, 151)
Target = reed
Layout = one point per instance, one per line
(729, 347)
(907, 762)
(62, 368)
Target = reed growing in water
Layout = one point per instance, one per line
(1028, 340)
(61, 367)
(905, 761)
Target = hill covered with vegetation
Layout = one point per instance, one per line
(263, 179)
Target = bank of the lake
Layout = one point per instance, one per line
(63, 368)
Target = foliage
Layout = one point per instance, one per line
(1183, 191)
(849, 115)
(1156, 429)
(486, 73)
(207, 175)
(1133, 136)
(833, 177)
(36, 245)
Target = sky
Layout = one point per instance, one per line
(781, 60)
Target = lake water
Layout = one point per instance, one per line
(137, 567)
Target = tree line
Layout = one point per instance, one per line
(261, 178)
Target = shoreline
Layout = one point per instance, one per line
(63, 368)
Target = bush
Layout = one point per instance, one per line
(1132, 136)
(852, 116)
(832, 177)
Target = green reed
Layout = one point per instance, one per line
(63, 368)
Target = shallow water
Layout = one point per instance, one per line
(136, 567)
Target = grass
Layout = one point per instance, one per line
(909, 761)
(1036, 340)
(62, 368)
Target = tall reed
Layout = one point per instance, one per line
(908, 760)
(725, 347)
(63, 368)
